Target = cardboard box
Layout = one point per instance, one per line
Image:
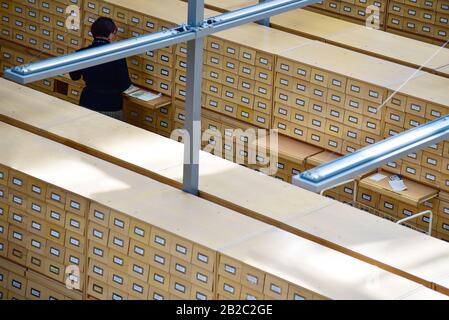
(317, 108)
(214, 44)
(395, 117)
(412, 121)
(118, 280)
(36, 244)
(414, 157)
(443, 226)
(18, 218)
(391, 130)
(118, 242)
(252, 278)
(287, 67)
(55, 251)
(229, 288)
(97, 289)
(74, 258)
(411, 170)
(99, 214)
(17, 200)
(76, 204)
(160, 240)
(318, 93)
(54, 270)
(4, 248)
(298, 293)
(75, 223)
(75, 241)
(98, 270)
(298, 132)
(352, 135)
(405, 210)
(56, 234)
(247, 55)
(139, 251)
(159, 279)
(432, 161)
(4, 209)
(369, 138)
(4, 194)
(36, 189)
(232, 66)
(17, 284)
(139, 270)
(3, 229)
(388, 205)
(203, 257)
(368, 197)
(264, 76)
(436, 149)
(3, 277)
(275, 288)
(55, 215)
(230, 268)
(98, 233)
(181, 248)
(17, 235)
(140, 231)
(119, 222)
(138, 288)
(98, 252)
(4, 175)
(430, 177)
(56, 196)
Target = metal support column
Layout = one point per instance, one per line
(265, 22)
(192, 142)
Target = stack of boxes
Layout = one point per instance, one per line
(424, 19)
(326, 109)
(41, 25)
(237, 81)
(19, 283)
(42, 227)
(355, 11)
(129, 259)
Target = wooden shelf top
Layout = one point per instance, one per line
(289, 149)
(322, 157)
(415, 193)
(157, 103)
(200, 221)
(272, 200)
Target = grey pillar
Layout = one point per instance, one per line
(192, 142)
(266, 21)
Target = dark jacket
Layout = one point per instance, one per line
(105, 83)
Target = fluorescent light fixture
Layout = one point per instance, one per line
(373, 156)
(129, 47)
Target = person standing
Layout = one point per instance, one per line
(105, 83)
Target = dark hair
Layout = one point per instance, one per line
(103, 27)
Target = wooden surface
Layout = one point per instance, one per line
(157, 103)
(351, 64)
(426, 87)
(322, 157)
(172, 10)
(299, 261)
(289, 148)
(349, 35)
(316, 218)
(414, 194)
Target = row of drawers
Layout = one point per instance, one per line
(417, 27)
